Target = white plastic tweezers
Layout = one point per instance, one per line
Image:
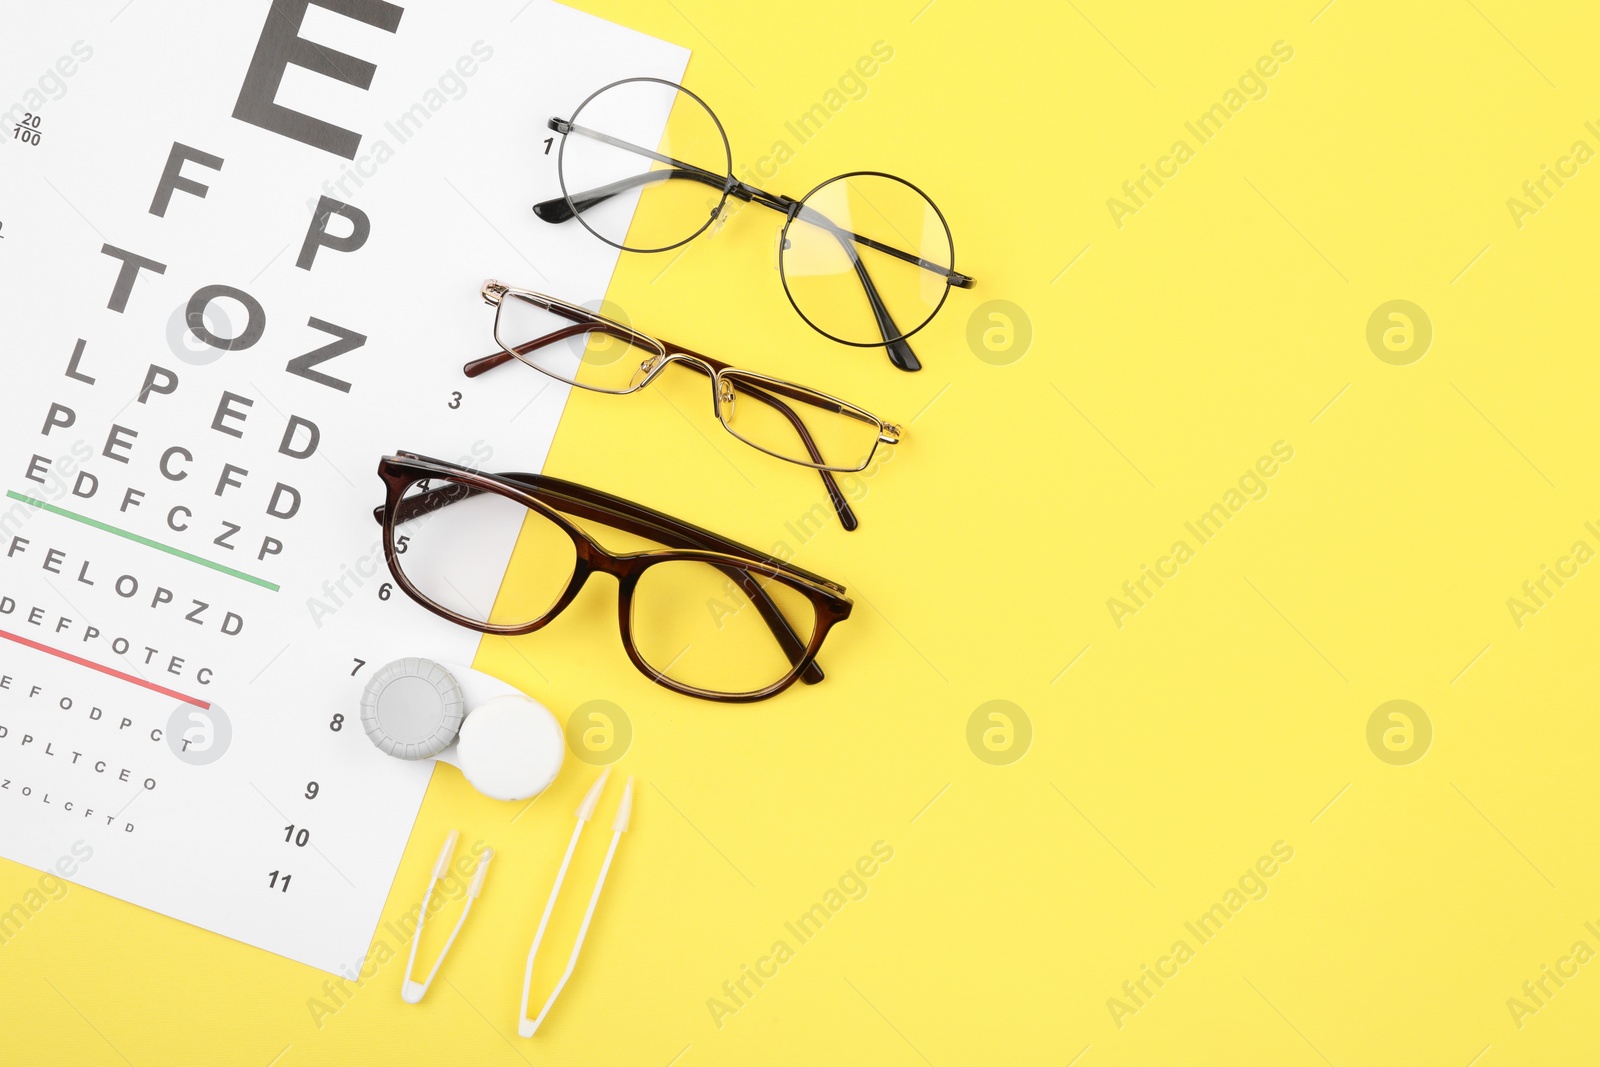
(412, 991)
(527, 1027)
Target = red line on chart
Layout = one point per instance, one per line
(93, 666)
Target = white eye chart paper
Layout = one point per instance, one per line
(241, 247)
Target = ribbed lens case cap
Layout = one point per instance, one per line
(412, 708)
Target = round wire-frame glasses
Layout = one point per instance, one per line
(580, 196)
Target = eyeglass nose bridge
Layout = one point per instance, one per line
(597, 561)
(664, 356)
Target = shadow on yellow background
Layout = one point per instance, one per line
(1105, 769)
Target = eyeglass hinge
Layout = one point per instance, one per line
(788, 205)
(741, 190)
(493, 292)
(890, 434)
(560, 125)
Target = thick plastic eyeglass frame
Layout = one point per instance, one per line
(548, 496)
(727, 382)
(571, 204)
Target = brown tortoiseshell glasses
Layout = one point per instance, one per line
(780, 418)
(705, 616)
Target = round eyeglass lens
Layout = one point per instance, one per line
(633, 189)
(866, 259)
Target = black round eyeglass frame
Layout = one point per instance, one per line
(804, 215)
(690, 171)
(572, 204)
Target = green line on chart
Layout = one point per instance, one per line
(180, 553)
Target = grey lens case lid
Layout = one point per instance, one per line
(412, 708)
(507, 745)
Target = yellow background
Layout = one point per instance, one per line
(1229, 713)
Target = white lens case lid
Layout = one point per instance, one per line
(510, 748)
(508, 745)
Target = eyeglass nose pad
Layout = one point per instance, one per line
(646, 368)
(719, 215)
(727, 398)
